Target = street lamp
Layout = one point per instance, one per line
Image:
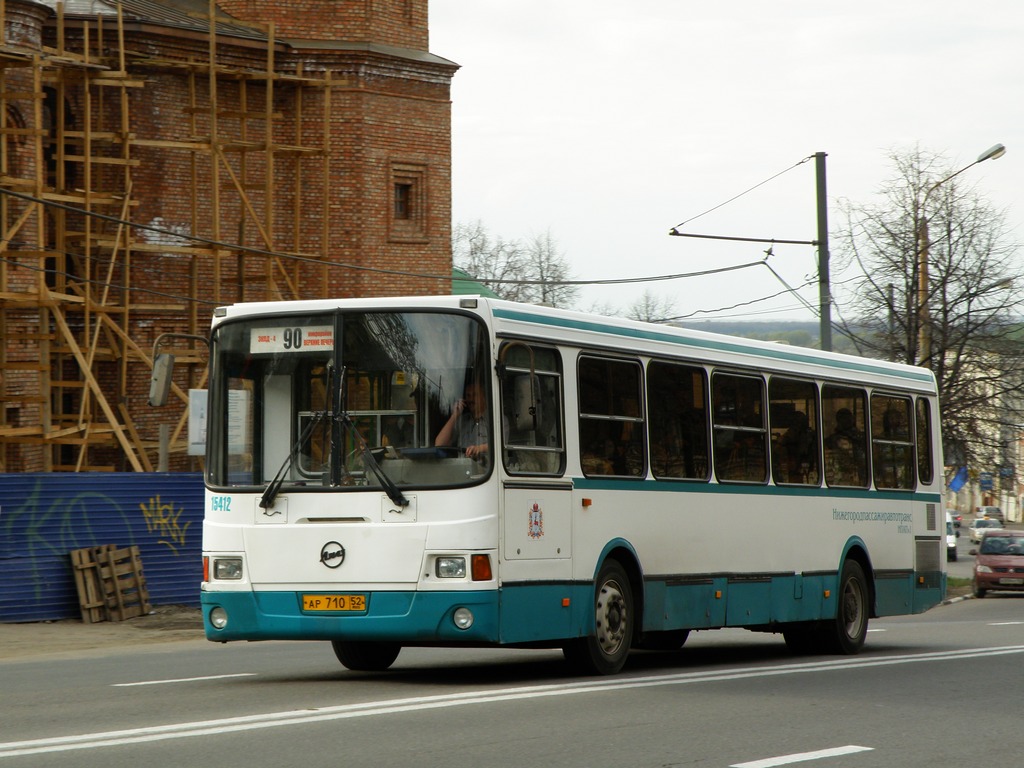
(923, 316)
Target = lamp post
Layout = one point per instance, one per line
(924, 343)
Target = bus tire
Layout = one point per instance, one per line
(845, 634)
(604, 651)
(364, 656)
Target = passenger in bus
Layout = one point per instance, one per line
(599, 456)
(845, 435)
(629, 452)
(847, 461)
(666, 450)
(467, 427)
(894, 425)
(799, 446)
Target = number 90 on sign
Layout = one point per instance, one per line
(317, 603)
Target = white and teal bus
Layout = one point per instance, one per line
(461, 471)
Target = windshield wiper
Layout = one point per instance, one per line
(393, 491)
(267, 500)
(386, 482)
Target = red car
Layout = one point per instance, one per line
(999, 562)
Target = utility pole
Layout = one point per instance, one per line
(824, 291)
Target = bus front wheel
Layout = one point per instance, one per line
(364, 656)
(604, 651)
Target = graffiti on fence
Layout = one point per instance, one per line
(45, 516)
(165, 521)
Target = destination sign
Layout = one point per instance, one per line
(298, 338)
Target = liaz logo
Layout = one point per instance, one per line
(332, 554)
(220, 503)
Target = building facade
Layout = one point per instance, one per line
(161, 157)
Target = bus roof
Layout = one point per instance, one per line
(619, 334)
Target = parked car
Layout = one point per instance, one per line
(952, 534)
(995, 513)
(999, 562)
(982, 524)
(956, 517)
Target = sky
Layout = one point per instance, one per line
(607, 123)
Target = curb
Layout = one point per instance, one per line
(957, 599)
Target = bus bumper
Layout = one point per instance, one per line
(406, 617)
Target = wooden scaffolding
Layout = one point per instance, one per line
(83, 288)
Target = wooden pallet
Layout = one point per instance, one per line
(90, 595)
(110, 582)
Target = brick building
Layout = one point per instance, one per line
(161, 157)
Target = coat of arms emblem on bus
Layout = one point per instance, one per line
(332, 554)
(536, 521)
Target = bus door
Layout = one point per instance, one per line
(537, 498)
(536, 548)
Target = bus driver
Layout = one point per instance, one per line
(467, 427)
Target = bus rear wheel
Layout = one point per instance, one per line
(604, 651)
(364, 656)
(846, 633)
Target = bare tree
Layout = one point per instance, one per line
(497, 263)
(937, 265)
(535, 272)
(651, 308)
(551, 271)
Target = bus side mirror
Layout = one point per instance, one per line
(160, 383)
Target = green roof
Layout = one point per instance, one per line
(464, 285)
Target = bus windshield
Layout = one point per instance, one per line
(349, 401)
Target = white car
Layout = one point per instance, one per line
(994, 512)
(952, 534)
(982, 524)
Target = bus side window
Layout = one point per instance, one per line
(678, 412)
(795, 435)
(531, 411)
(892, 452)
(740, 434)
(925, 465)
(843, 411)
(611, 423)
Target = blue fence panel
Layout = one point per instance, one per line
(44, 516)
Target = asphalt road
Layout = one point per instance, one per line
(729, 698)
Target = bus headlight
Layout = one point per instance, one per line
(450, 567)
(463, 618)
(227, 568)
(218, 617)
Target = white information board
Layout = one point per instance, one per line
(298, 338)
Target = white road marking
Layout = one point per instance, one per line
(800, 757)
(1004, 623)
(181, 680)
(422, 703)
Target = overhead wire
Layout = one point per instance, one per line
(745, 192)
(235, 247)
(300, 258)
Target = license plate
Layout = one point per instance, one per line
(334, 602)
(1011, 581)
